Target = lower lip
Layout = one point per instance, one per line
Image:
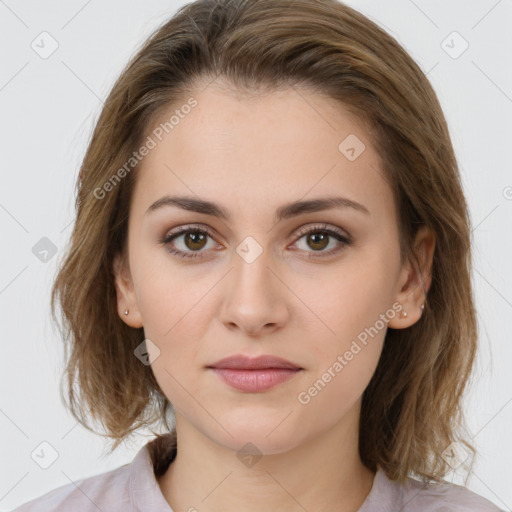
(255, 380)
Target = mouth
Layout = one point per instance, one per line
(254, 375)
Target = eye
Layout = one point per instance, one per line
(192, 239)
(319, 237)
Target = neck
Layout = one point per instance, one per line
(312, 476)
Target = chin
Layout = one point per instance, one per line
(269, 436)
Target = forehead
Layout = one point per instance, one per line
(261, 149)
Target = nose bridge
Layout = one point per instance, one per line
(251, 278)
(253, 299)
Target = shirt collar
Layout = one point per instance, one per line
(146, 495)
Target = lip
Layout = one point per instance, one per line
(264, 362)
(255, 381)
(254, 375)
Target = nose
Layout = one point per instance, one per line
(254, 297)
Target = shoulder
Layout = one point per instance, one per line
(443, 497)
(99, 492)
(129, 487)
(415, 496)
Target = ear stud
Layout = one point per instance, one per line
(125, 311)
(403, 313)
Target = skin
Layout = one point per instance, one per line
(252, 154)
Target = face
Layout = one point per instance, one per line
(317, 287)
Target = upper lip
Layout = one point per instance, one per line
(243, 362)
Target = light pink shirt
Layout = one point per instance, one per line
(134, 488)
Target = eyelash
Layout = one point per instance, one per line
(320, 228)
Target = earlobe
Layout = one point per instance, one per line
(127, 305)
(417, 277)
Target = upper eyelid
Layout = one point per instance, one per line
(322, 226)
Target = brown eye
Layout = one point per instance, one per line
(187, 242)
(195, 240)
(318, 240)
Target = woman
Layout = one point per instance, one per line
(271, 257)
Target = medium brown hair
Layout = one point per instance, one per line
(412, 408)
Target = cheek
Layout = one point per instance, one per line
(344, 357)
(168, 293)
(343, 302)
(176, 314)
(172, 320)
(350, 329)
(174, 317)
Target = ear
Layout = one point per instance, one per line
(415, 280)
(126, 298)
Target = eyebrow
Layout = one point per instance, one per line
(193, 204)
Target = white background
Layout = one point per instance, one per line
(48, 107)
